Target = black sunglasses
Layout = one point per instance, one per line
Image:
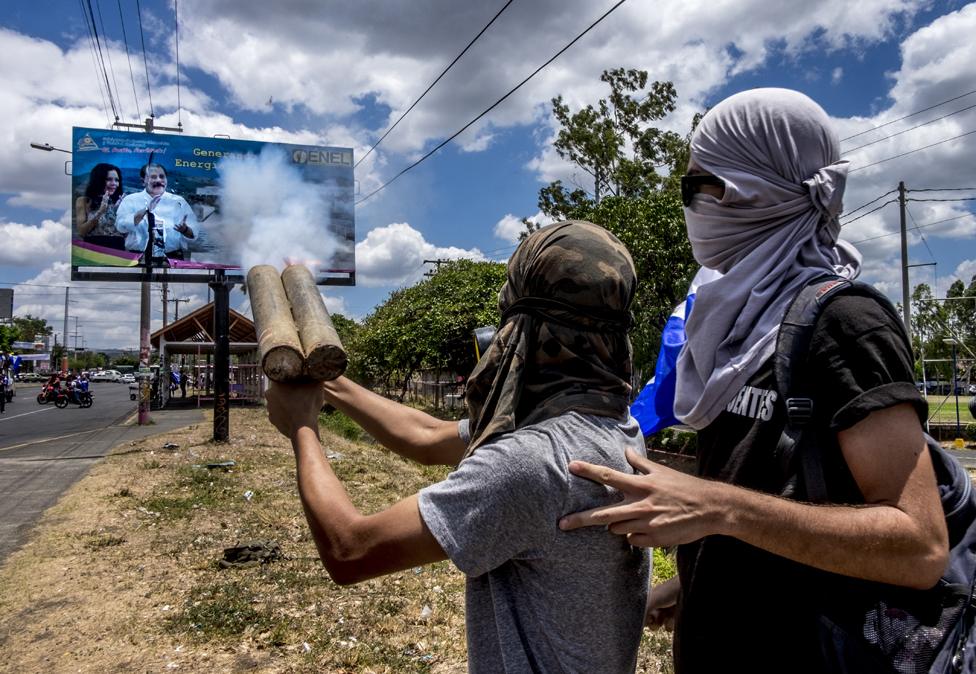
(691, 185)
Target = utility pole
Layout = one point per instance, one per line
(176, 301)
(438, 262)
(165, 301)
(64, 359)
(905, 299)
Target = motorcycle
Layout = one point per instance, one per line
(48, 394)
(83, 399)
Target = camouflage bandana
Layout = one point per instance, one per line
(562, 345)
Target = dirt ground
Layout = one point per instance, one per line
(122, 575)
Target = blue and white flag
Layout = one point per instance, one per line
(15, 363)
(654, 406)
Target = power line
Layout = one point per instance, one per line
(959, 199)
(132, 77)
(101, 59)
(920, 235)
(852, 212)
(911, 128)
(873, 210)
(918, 149)
(928, 224)
(98, 75)
(944, 189)
(496, 103)
(438, 79)
(108, 54)
(911, 114)
(145, 59)
(179, 105)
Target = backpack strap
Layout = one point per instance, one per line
(797, 449)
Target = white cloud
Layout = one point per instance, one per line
(33, 246)
(395, 254)
(510, 227)
(836, 75)
(335, 305)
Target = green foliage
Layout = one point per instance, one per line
(428, 325)
(347, 328)
(616, 143)
(934, 321)
(971, 431)
(665, 565)
(126, 360)
(28, 327)
(87, 360)
(8, 334)
(341, 425)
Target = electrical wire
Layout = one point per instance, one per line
(495, 104)
(873, 210)
(928, 224)
(911, 114)
(108, 55)
(959, 199)
(98, 77)
(918, 149)
(438, 79)
(132, 77)
(176, 29)
(920, 235)
(101, 60)
(944, 189)
(145, 59)
(852, 212)
(911, 128)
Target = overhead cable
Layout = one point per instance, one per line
(100, 70)
(132, 77)
(911, 114)
(438, 79)
(873, 210)
(108, 56)
(920, 235)
(852, 212)
(918, 149)
(145, 59)
(496, 103)
(176, 29)
(928, 224)
(98, 77)
(911, 128)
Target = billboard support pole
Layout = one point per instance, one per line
(221, 419)
(144, 376)
(64, 332)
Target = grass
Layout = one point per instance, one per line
(140, 588)
(942, 409)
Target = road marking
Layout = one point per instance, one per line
(44, 409)
(59, 437)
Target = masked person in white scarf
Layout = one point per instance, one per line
(756, 569)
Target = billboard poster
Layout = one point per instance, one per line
(143, 200)
(6, 304)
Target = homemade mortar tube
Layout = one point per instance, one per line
(325, 359)
(279, 346)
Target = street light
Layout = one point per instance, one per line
(47, 147)
(955, 388)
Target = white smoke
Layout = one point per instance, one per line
(270, 215)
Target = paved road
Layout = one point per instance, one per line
(44, 450)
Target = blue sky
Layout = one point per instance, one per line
(338, 74)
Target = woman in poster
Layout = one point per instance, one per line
(95, 209)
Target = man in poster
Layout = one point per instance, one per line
(155, 222)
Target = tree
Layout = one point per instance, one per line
(428, 325)
(28, 327)
(87, 360)
(617, 144)
(347, 328)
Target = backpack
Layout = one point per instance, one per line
(900, 631)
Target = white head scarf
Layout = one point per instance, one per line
(774, 230)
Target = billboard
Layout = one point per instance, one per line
(149, 201)
(6, 304)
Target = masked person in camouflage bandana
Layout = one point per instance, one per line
(552, 387)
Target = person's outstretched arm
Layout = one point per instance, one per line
(354, 547)
(898, 536)
(407, 431)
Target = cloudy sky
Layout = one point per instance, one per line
(895, 75)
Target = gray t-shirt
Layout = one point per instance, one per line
(539, 599)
